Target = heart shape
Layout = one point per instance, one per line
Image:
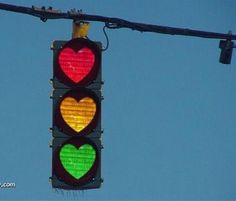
(77, 161)
(76, 65)
(76, 114)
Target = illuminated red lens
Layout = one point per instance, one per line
(76, 65)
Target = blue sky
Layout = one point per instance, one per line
(169, 108)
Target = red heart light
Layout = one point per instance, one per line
(76, 65)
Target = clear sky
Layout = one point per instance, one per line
(169, 110)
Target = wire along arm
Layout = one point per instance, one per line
(113, 23)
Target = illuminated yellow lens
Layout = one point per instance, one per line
(78, 114)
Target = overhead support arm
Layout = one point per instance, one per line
(113, 23)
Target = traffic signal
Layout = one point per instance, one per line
(226, 47)
(76, 145)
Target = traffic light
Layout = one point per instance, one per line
(226, 47)
(76, 145)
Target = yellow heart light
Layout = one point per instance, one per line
(78, 114)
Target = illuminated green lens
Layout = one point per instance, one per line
(77, 161)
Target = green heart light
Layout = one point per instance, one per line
(77, 161)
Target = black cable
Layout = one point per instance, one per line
(107, 39)
(112, 23)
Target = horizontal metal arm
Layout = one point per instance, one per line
(112, 23)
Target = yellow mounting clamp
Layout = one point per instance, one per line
(80, 29)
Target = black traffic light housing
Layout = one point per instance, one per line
(89, 86)
(226, 47)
